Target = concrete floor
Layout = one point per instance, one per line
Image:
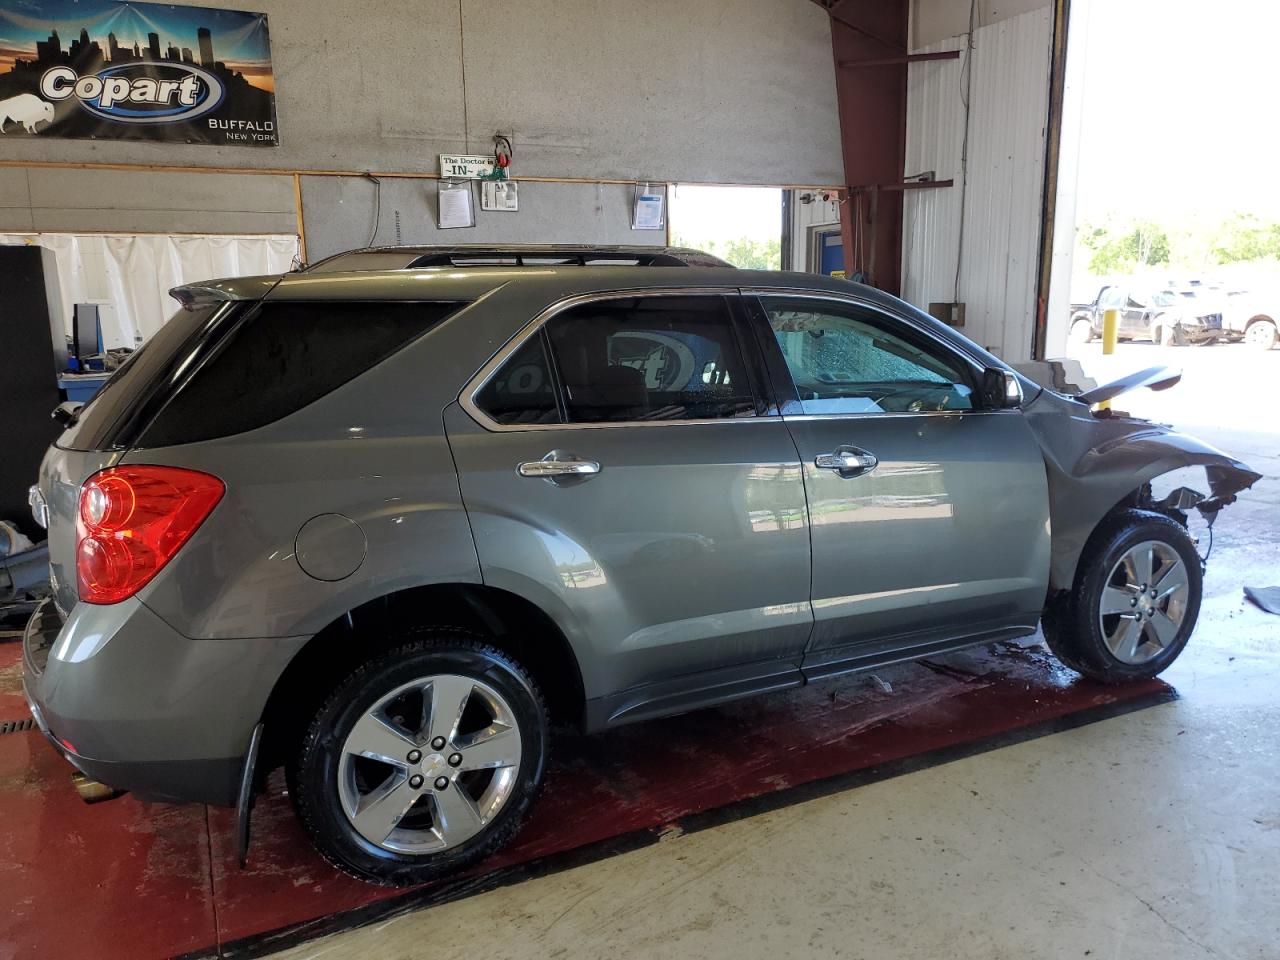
(1155, 834)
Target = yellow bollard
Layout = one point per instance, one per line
(1110, 329)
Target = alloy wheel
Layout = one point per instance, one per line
(430, 764)
(1144, 602)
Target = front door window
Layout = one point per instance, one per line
(842, 361)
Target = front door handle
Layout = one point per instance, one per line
(558, 465)
(847, 461)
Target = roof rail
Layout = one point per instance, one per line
(512, 255)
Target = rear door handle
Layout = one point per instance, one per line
(558, 464)
(847, 461)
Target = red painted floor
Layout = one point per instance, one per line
(135, 880)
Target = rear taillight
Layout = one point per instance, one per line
(131, 522)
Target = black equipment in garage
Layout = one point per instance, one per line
(31, 318)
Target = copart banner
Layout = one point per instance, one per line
(107, 70)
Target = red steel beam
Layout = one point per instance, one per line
(839, 10)
(912, 185)
(902, 58)
(872, 106)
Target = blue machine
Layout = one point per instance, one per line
(830, 253)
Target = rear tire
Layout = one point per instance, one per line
(1261, 334)
(1108, 629)
(397, 784)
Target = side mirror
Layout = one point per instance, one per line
(1000, 389)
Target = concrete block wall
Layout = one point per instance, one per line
(70, 200)
(340, 215)
(737, 91)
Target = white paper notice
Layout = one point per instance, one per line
(499, 195)
(454, 205)
(648, 212)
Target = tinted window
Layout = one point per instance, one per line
(522, 390)
(843, 359)
(147, 369)
(281, 358)
(650, 358)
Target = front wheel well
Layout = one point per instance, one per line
(1143, 499)
(1140, 498)
(505, 620)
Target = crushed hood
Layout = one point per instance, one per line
(1095, 464)
(1067, 377)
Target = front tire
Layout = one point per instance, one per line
(423, 761)
(1134, 603)
(1169, 335)
(1081, 330)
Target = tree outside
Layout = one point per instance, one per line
(1119, 246)
(743, 252)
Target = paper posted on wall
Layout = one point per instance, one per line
(454, 207)
(499, 195)
(647, 214)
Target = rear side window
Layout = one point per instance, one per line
(98, 424)
(281, 358)
(650, 358)
(522, 391)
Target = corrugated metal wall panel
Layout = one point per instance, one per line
(931, 217)
(1009, 109)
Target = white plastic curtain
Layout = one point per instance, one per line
(130, 276)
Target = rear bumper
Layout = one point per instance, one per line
(135, 704)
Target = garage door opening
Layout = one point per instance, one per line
(742, 225)
(1176, 221)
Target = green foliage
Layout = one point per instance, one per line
(1111, 248)
(1245, 238)
(751, 254)
(742, 252)
(1140, 244)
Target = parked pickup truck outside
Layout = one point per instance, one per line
(1160, 315)
(1246, 315)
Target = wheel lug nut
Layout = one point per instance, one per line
(414, 756)
(438, 743)
(1153, 594)
(415, 781)
(1133, 601)
(455, 759)
(441, 782)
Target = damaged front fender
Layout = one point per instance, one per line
(1095, 464)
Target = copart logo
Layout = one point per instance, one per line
(138, 92)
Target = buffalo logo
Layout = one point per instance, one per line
(26, 109)
(138, 92)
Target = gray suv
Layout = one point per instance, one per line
(387, 520)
